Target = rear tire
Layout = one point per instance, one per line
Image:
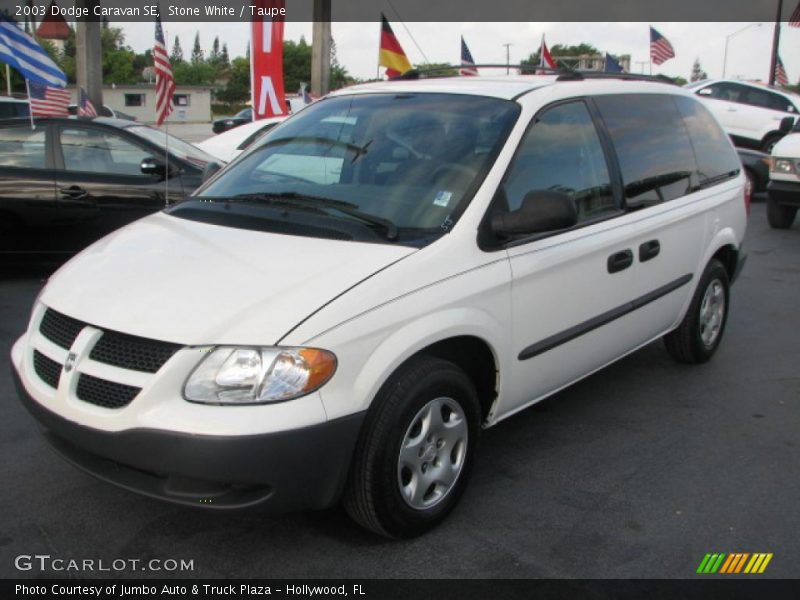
(415, 452)
(699, 334)
(780, 217)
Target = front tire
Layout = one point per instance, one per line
(780, 217)
(699, 334)
(415, 452)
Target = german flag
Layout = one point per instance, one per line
(391, 54)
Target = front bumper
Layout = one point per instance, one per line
(784, 193)
(297, 469)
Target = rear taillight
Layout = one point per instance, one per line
(748, 194)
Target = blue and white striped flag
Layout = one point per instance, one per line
(21, 52)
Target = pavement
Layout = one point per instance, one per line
(191, 132)
(636, 472)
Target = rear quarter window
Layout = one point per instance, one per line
(653, 147)
(716, 158)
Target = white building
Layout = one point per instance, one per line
(192, 102)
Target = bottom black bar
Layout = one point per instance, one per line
(703, 587)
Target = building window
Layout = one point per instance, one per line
(134, 99)
(181, 100)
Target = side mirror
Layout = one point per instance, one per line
(153, 166)
(210, 170)
(541, 211)
(704, 92)
(786, 124)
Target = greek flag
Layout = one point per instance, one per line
(20, 51)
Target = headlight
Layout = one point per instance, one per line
(784, 166)
(231, 375)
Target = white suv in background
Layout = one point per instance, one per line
(751, 113)
(340, 311)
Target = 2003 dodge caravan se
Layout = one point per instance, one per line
(340, 311)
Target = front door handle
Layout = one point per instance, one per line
(74, 191)
(649, 250)
(620, 261)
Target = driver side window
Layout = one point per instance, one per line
(562, 152)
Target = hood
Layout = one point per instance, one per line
(788, 146)
(192, 283)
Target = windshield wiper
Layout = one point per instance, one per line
(296, 200)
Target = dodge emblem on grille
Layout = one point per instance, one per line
(70, 362)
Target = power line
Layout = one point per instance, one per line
(399, 18)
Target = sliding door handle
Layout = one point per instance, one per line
(649, 250)
(620, 261)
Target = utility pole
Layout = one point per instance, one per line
(776, 38)
(508, 58)
(88, 55)
(641, 64)
(321, 48)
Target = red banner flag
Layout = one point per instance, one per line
(266, 59)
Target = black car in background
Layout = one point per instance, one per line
(756, 168)
(225, 123)
(68, 182)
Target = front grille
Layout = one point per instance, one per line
(60, 329)
(131, 352)
(105, 393)
(48, 370)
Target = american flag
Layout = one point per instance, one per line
(47, 101)
(660, 48)
(794, 20)
(165, 83)
(780, 73)
(85, 106)
(467, 62)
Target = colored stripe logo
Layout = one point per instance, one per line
(737, 562)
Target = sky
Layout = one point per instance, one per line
(749, 44)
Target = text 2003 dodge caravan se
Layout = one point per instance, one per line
(339, 312)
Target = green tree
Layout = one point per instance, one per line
(238, 88)
(193, 73)
(296, 64)
(697, 71)
(438, 69)
(215, 54)
(224, 58)
(197, 51)
(177, 52)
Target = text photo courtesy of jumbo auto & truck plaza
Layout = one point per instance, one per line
(385, 298)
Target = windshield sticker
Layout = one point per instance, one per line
(442, 198)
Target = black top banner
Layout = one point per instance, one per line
(411, 10)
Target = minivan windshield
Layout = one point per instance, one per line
(377, 167)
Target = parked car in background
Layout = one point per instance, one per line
(228, 145)
(225, 123)
(13, 107)
(756, 168)
(342, 310)
(69, 181)
(783, 190)
(751, 113)
(105, 111)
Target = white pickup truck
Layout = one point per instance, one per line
(784, 181)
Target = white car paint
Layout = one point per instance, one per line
(375, 305)
(788, 147)
(225, 145)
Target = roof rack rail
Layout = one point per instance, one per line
(563, 74)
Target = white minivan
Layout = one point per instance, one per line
(463, 248)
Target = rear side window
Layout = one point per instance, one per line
(22, 147)
(652, 145)
(716, 158)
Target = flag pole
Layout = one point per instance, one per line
(776, 38)
(166, 141)
(8, 80)
(30, 108)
